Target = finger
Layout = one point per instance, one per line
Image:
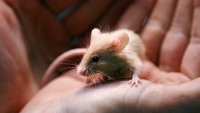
(41, 29)
(108, 21)
(57, 6)
(156, 28)
(134, 17)
(55, 69)
(191, 61)
(113, 14)
(154, 74)
(85, 16)
(17, 84)
(177, 37)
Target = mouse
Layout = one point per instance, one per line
(114, 55)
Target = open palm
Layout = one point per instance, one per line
(170, 75)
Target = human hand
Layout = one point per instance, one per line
(52, 27)
(167, 88)
(31, 26)
(17, 85)
(172, 47)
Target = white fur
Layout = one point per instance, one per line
(127, 43)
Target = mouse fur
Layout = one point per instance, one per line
(116, 54)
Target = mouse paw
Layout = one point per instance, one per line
(135, 81)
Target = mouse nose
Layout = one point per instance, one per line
(81, 70)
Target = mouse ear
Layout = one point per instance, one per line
(120, 42)
(95, 33)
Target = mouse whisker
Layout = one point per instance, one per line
(91, 71)
(66, 68)
(68, 63)
(87, 71)
(105, 75)
(99, 81)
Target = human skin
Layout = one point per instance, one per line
(29, 42)
(163, 90)
(167, 87)
(17, 85)
(47, 35)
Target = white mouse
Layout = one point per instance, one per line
(117, 54)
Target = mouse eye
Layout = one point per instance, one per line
(95, 58)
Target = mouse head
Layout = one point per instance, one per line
(102, 55)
